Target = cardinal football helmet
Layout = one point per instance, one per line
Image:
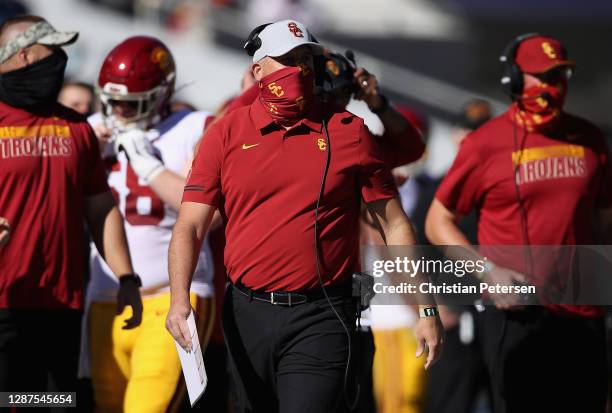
(140, 73)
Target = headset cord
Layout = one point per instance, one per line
(502, 335)
(528, 259)
(522, 211)
(318, 262)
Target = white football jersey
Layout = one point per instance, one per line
(148, 220)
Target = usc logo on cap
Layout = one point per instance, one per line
(549, 50)
(293, 28)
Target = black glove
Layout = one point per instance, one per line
(129, 294)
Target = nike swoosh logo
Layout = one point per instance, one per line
(245, 146)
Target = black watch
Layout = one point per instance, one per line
(130, 278)
(384, 105)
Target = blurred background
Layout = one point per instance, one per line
(432, 55)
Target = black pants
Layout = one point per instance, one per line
(361, 384)
(216, 397)
(39, 350)
(287, 359)
(539, 361)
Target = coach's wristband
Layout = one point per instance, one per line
(428, 312)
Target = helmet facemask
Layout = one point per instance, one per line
(147, 107)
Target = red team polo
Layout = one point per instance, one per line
(49, 165)
(561, 180)
(265, 180)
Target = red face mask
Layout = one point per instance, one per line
(287, 94)
(540, 106)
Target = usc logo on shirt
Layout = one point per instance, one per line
(322, 144)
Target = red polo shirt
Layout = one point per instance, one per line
(49, 165)
(265, 180)
(561, 179)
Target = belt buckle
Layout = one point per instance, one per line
(272, 300)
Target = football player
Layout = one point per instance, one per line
(148, 151)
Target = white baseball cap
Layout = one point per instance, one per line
(281, 37)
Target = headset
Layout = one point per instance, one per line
(253, 41)
(512, 75)
(336, 71)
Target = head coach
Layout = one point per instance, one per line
(291, 221)
(536, 175)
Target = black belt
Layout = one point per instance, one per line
(288, 299)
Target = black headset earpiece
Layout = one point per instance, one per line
(345, 65)
(253, 41)
(512, 76)
(319, 61)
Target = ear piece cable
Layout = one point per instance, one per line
(519, 200)
(524, 227)
(519, 150)
(352, 404)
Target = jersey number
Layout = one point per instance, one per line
(138, 193)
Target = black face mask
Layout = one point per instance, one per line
(35, 86)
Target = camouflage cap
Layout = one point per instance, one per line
(41, 33)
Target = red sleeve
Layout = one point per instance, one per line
(245, 99)
(204, 181)
(94, 166)
(402, 148)
(375, 179)
(460, 190)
